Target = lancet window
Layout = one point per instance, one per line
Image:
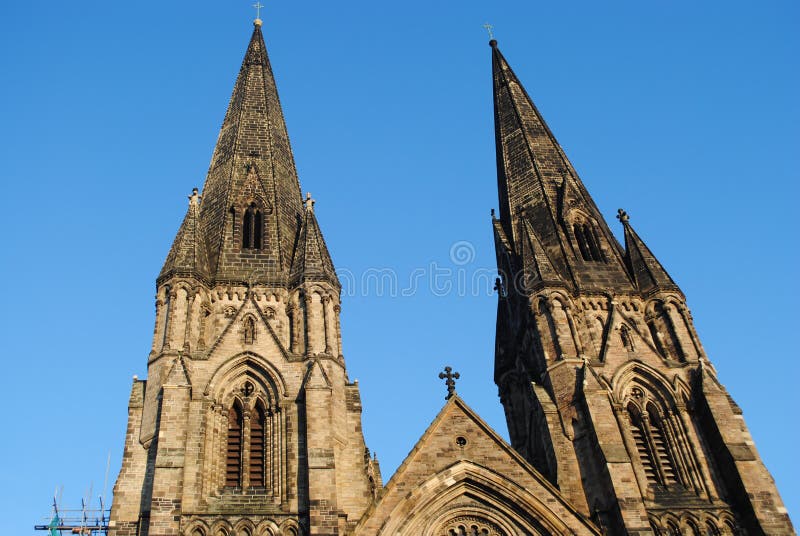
(588, 244)
(233, 451)
(252, 227)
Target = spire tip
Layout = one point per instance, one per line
(493, 43)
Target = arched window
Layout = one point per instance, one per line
(252, 228)
(577, 230)
(652, 429)
(593, 243)
(233, 454)
(257, 443)
(587, 242)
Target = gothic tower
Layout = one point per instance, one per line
(606, 387)
(247, 423)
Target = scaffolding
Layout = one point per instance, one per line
(86, 521)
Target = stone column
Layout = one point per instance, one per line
(326, 324)
(337, 311)
(168, 321)
(308, 311)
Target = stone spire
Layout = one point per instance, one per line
(538, 184)
(252, 167)
(646, 271)
(312, 262)
(188, 255)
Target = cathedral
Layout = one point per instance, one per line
(248, 424)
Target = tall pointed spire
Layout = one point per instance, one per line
(252, 164)
(646, 271)
(538, 184)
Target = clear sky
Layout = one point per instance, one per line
(685, 113)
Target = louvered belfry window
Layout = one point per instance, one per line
(257, 443)
(652, 444)
(233, 455)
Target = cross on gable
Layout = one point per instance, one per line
(450, 382)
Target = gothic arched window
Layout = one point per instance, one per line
(257, 443)
(587, 241)
(233, 451)
(252, 228)
(653, 428)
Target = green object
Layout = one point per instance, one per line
(53, 525)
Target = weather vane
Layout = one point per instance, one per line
(489, 29)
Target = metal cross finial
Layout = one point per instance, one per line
(451, 381)
(489, 29)
(309, 201)
(258, 6)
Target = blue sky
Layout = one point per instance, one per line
(684, 113)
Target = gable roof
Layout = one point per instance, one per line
(459, 458)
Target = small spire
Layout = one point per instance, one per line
(623, 217)
(450, 382)
(309, 202)
(258, 21)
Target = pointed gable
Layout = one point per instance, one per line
(252, 134)
(461, 465)
(312, 262)
(646, 271)
(188, 255)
